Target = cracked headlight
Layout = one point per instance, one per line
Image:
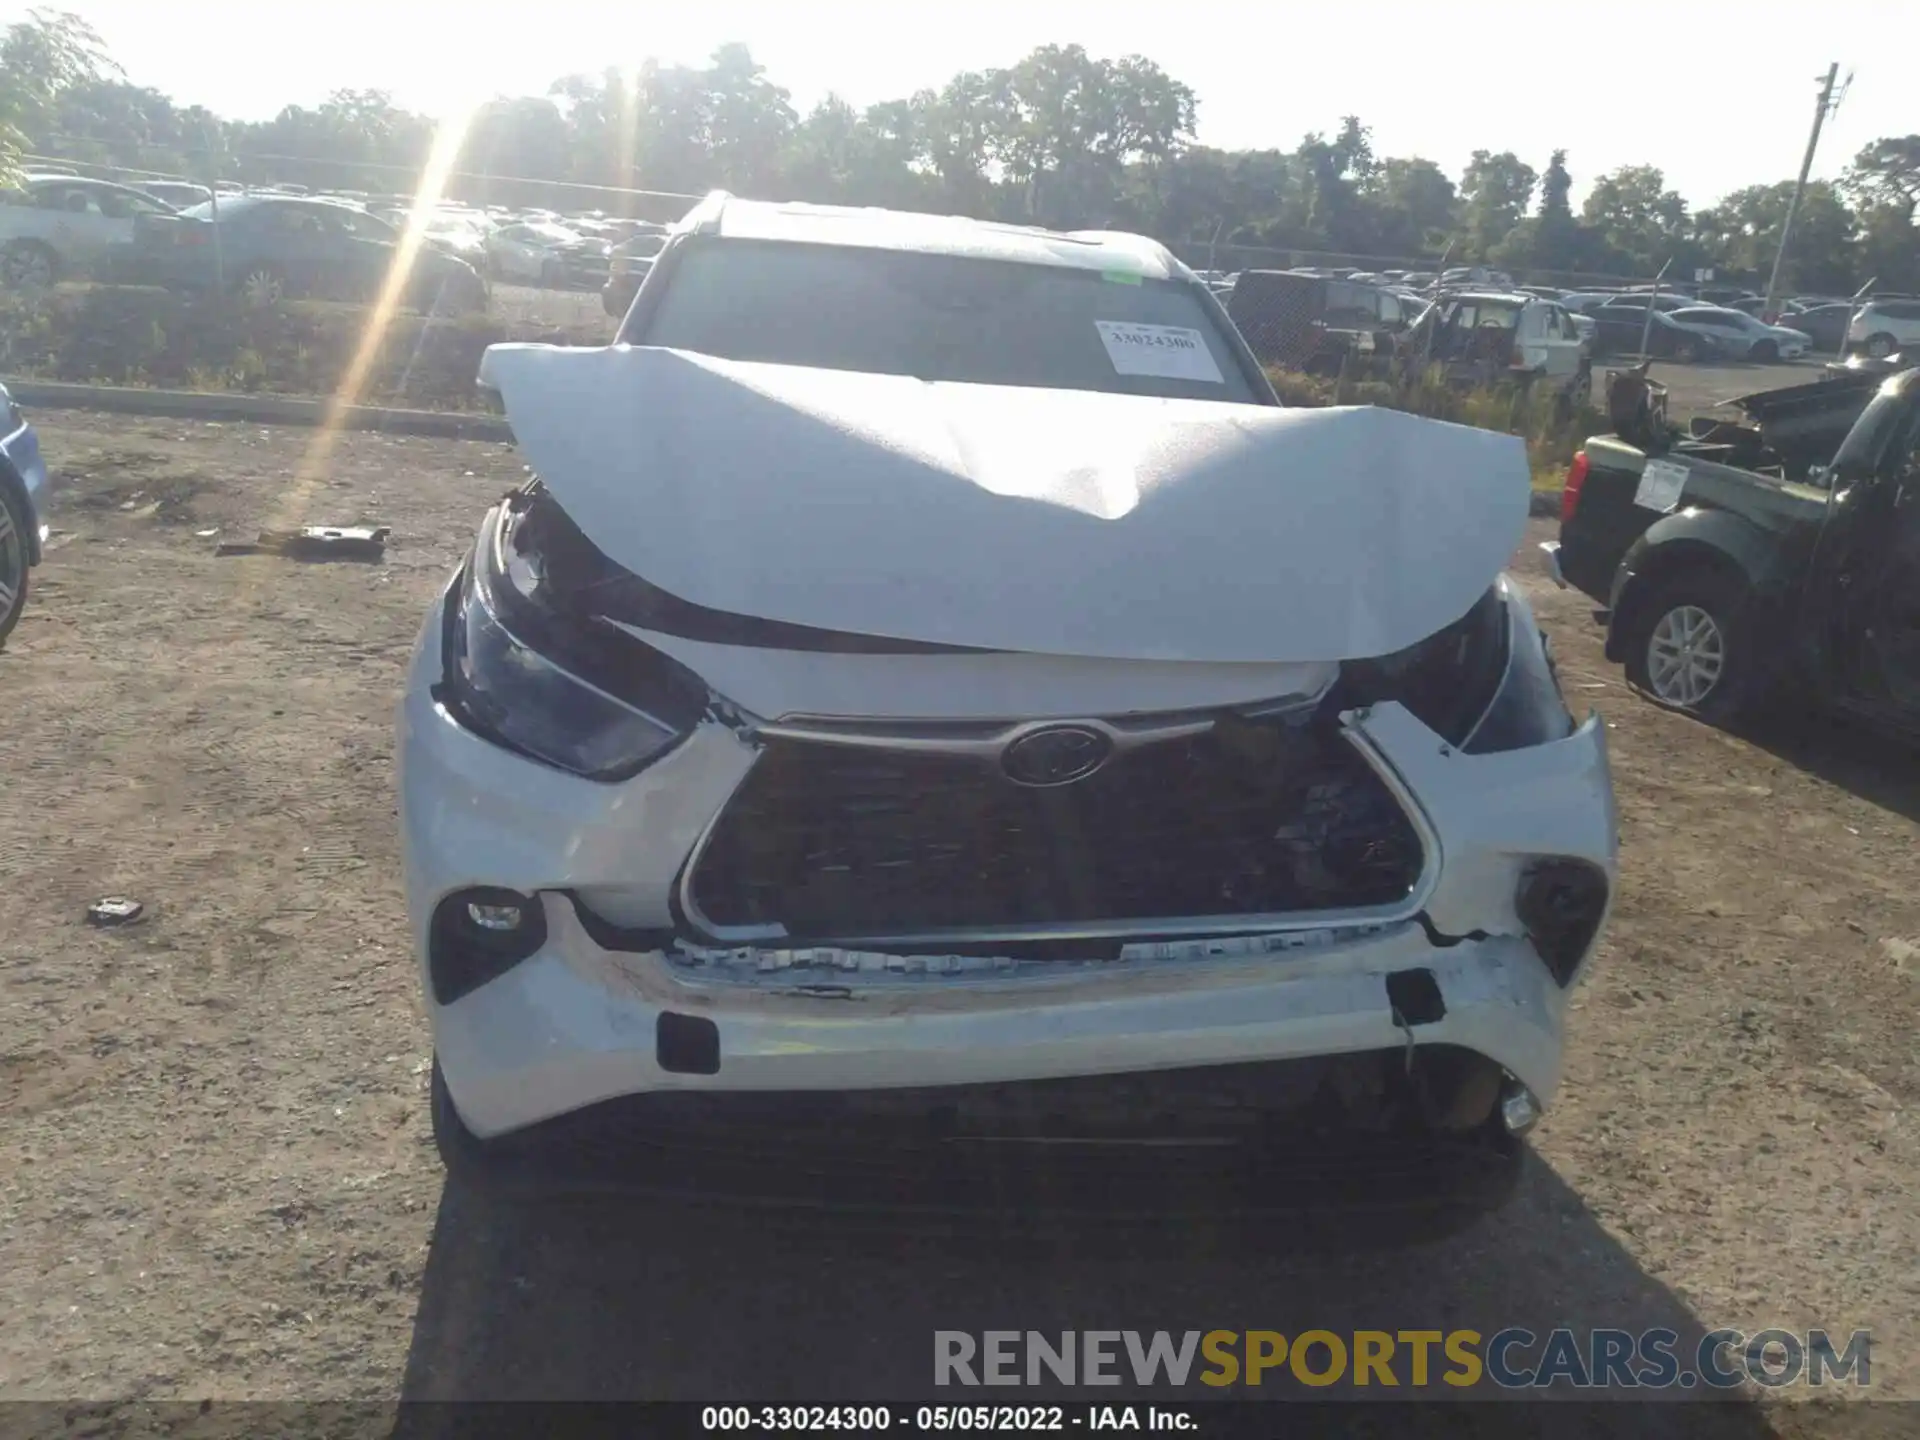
(1484, 683)
(1527, 709)
(547, 684)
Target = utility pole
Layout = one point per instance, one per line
(1829, 102)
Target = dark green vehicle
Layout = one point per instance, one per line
(1749, 561)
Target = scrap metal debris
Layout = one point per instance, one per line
(315, 542)
(114, 910)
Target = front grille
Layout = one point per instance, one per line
(1247, 818)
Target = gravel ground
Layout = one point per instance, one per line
(216, 1177)
(1698, 389)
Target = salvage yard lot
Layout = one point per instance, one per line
(216, 1176)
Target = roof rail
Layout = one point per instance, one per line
(704, 217)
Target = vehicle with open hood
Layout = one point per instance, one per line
(935, 732)
(1776, 558)
(1492, 337)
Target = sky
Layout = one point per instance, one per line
(1722, 98)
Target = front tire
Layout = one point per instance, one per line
(1686, 351)
(14, 546)
(1766, 352)
(1689, 650)
(1879, 347)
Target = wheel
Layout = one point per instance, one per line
(1686, 351)
(1689, 650)
(29, 265)
(1881, 346)
(1766, 352)
(261, 287)
(550, 276)
(13, 560)
(1580, 392)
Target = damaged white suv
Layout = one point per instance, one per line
(936, 733)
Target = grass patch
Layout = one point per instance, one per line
(1552, 431)
(132, 335)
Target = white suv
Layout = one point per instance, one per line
(936, 723)
(1882, 327)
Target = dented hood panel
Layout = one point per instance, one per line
(1044, 521)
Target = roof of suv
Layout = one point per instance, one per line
(1110, 251)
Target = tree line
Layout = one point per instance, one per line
(1061, 138)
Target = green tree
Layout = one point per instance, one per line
(1555, 186)
(1635, 214)
(1064, 126)
(1742, 233)
(1494, 193)
(1412, 201)
(958, 127)
(42, 58)
(748, 120)
(1887, 172)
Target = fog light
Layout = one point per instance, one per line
(498, 918)
(478, 935)
(1519, 1110)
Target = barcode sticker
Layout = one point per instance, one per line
(1170, 352)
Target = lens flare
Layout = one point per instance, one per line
(447, 142)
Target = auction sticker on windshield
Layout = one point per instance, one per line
(1168, 352)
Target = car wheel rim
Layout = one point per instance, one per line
(261, 288)
(29, 268)
(13, 562)
(1686, 655)
(1879, 349)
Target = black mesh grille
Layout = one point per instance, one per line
(1247, 818)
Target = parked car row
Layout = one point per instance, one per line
(283, 240)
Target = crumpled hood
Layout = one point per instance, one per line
(1048, 521)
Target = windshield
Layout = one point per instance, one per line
(945, 317)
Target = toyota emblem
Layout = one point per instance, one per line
(1057, 755)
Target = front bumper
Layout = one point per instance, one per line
(21, 450)
(581, 1021)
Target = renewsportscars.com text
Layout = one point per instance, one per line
(1510, 1359)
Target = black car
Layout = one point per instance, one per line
(1748, 562)
(1314, 323)
(263, 247)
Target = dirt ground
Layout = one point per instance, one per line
(216, 1177)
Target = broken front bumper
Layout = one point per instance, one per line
(610, 1004)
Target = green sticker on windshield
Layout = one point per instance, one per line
(1119, 277)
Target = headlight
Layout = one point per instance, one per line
(1484, 683)
(1527, 708)
(520, 691)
